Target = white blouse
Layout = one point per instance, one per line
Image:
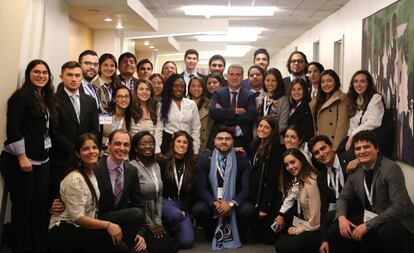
(371, 119)
(186, 119)
(142, 125)
(77, 197)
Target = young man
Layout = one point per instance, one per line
(261, 57)
(378, 183)
(234, 107)
(297, 66)
(191, 61)
(127, 66)
(217, 63)
(144, 69)
(222, 187)
(88, 60)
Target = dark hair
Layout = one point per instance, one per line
(135, 142)
(167, 96)
(70, 65)
(315, 139)
(77, 164)
(261, 70)
(136, 111)
(261, 51)
(366, 135)
(318, 65)
(290, 59)
(352, 95)
(190, 96)
(298, 130)
(216, 75)
(190, 51)
(87, 52)
(217, 57)
(115, 79)
(321, 97)
(225, 129)
(155, 75)
(302, 83)
(127, 55)
(165, 63)
(112, 134)
(144, 61)
(45, 100)
(272, 142)
(188, 161)
(280, 90)
(127, 112)
(306, 172)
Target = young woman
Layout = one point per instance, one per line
(149, 177)
(265, 196)
(303, 236)
(176, 113)
(168, 68)
(76, 229)
(275, 103)
(31, 115)
(365, 106)
(157, 82)
(314, 73)
(214, 81)
(294, 138)
(120, 110)
(300, 113)
(144, 109)
(178, 176)
(329, 108)
(107, 80)
(196, 93)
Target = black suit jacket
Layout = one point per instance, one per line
(131, 196)
(69, 129)
(302, 117)
(287, 83)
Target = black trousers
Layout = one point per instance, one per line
(29, 212)
(389, 237)
(67, 238)
(308, 241)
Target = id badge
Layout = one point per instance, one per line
(220, 192)
(332, 207)
(368, 215)
(105, 119)
(297, 222)
(47, 142)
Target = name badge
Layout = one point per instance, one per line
(332, 207)
(297, 222)
(220, 193)
(105, 119)
(47, 142)
(368, 215)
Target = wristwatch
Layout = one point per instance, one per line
(231, 204)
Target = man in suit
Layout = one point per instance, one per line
(332, 176)
(78, 114)
(213, 183)
(127, 63)
(378, 183)
(297, 66)
(191, 61)
(234, 107)
(88, 60)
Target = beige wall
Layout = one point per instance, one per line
(80, 38)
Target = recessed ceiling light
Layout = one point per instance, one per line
(234, 34)
(151, 47)
(119, 26)
(108, 19)
(225, 10)
(155, 49)
(146, 43)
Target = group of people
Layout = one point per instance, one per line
(127, 164)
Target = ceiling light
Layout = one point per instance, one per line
(225, 10)
(119, 26)
(155, 49)
(146, 43)
(234, 34)
(151, 47)
(108, 19)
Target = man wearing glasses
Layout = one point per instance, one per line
(89, 64)
(297, 66)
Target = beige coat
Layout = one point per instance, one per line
(206, 124)
(332, 118)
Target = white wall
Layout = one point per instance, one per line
(345, 22)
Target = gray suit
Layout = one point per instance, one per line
(390, 198)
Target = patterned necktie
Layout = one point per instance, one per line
(233, 104)
(76, 105)
(118, 185)
(223, 162)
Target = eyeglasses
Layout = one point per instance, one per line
(38, 73)
(88, 64)
(224, 138)
(147, 145)
(297, 61)
(122, 97)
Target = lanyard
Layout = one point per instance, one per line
(47, 116)
(154, 178)
(369, 193)
(179, 181)
(114, 123)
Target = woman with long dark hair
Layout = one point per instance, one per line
(31, 117)
(214, 81)
(77, 229)
(176, 113)
(303, 234)
(150, 181)
(178, 176)
(265, 196)
(329, 108)
(314, 74)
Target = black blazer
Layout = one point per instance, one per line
(69, 129)
(287, 82)
(302, 117)
(131, 196)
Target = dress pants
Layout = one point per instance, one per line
(306, 242)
